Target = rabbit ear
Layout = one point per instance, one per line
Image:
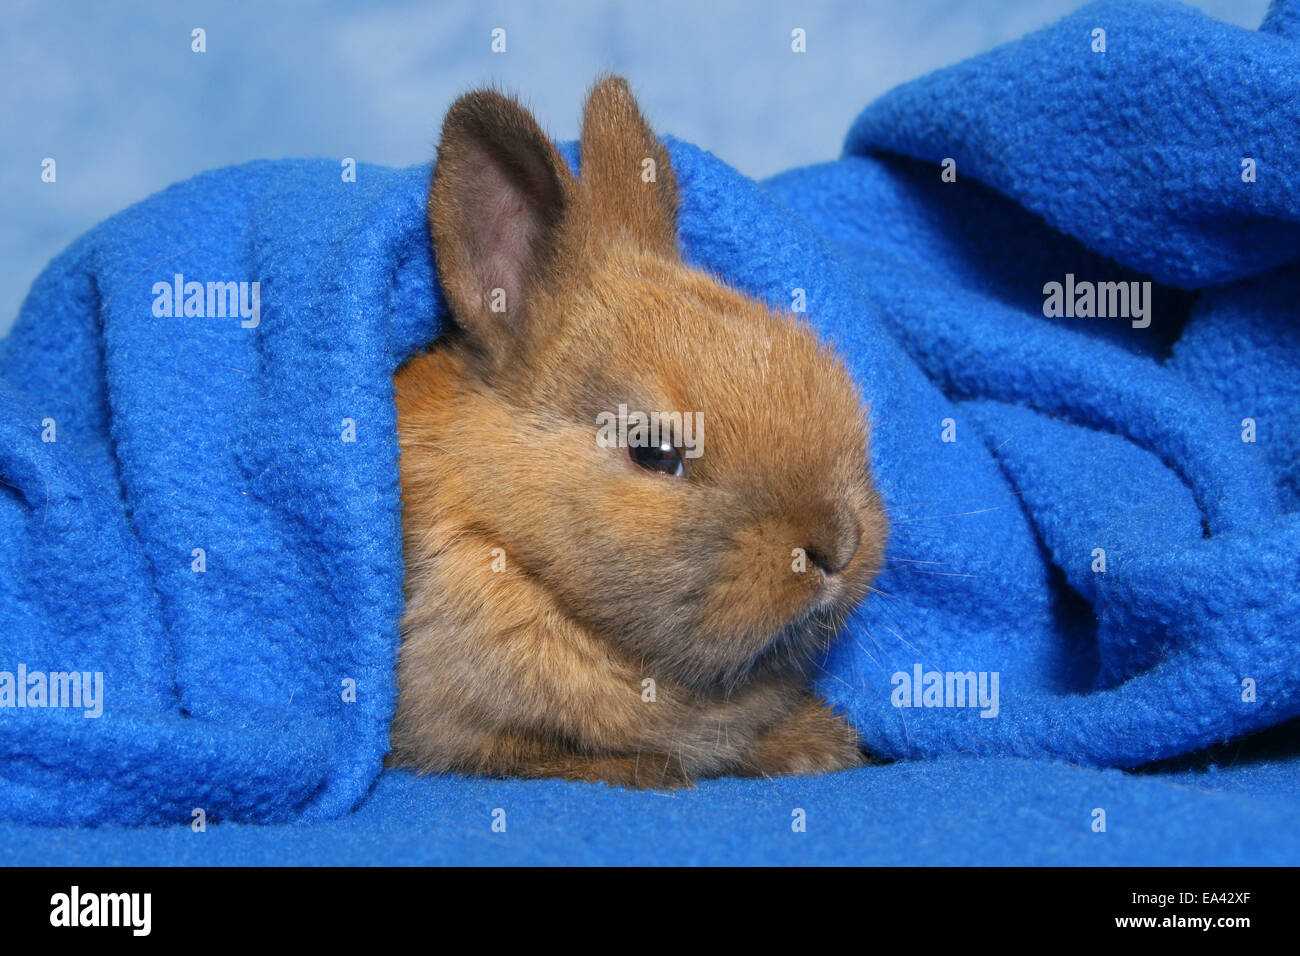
(500, 193)
(627, 184)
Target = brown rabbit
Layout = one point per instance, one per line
(625, 614)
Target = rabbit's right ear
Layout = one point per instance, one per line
(499, 196)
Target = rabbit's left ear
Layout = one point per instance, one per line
(498, 201)
(627, 184)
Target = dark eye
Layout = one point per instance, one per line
(666, 459)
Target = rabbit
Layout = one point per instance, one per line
(631, 615)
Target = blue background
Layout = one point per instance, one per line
(113, 93)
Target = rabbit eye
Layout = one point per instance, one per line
(666, 459)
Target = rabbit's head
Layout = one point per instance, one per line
(683, 469)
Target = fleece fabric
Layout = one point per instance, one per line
(1234, 809)
(1101, 509)
(1063, 274)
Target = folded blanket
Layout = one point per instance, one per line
(1114, 530)
(199, 497)
(1096, 546)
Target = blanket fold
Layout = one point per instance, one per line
(1152, 456)
(200, 497)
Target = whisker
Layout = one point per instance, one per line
(955, 514)
(937, 501)
(947, 574)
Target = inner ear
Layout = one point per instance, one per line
(499, 196)
(628, 186)
(515, 202)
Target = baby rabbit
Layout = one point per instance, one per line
(628, 614)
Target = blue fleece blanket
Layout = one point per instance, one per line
(1063, 274)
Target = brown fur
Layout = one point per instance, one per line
(614, 574)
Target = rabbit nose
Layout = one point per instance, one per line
(835, 545)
